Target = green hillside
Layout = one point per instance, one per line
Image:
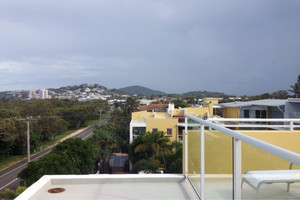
(139, 90)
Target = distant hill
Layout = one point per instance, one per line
(116, 93)
(81, 87)
(202, 94)
(140, 91)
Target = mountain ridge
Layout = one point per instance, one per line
(140, 90)
(130, 90)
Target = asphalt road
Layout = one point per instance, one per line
(8, 176)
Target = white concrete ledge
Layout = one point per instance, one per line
(105, 186)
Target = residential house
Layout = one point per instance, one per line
(292, 108)
(168, 120)
(264, 113)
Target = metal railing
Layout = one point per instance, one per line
(289, 124)
(237, 157)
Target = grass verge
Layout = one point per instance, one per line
(56, 138)
(92, 122)
(11, 160)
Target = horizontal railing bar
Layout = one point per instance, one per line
(189, 125)
(246, 125)
(253, 120)
(255, 125)
(275, 150)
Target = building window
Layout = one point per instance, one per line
(169, 132)
(263, 114)
(246, 113)
(257, 114)
(154, 130)
(260, 114)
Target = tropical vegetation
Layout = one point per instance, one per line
(296, 88)
(153, 151)
(8, 194)
(73, 156)
(113, 137)
(108, 142)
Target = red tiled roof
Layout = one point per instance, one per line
(152, 107)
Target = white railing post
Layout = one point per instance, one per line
(130, 133)
(202, 162)
(237, 169)
(186, 148)
(291, 125)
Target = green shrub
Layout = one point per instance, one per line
(8, 194)
(145, 166)
(73, 156)
(20, 189)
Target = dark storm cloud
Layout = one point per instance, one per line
(236, 47)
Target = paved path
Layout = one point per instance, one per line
(8, 176)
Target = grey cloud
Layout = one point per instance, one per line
(237, 47)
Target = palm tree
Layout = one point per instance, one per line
(154, 142)
(108, 143)
(296, 88)
(152, 150)
(131, 105)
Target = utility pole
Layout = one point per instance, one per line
(100, 113)
(27, 121)
(28, 139)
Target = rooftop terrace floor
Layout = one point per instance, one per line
(94, 187)
(222, 189)
(146, 186)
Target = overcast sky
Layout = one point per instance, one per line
(236, 47)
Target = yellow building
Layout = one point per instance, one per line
(170, 122)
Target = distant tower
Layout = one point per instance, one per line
(30, 94)
(43, 93)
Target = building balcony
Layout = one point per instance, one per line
(218, 163)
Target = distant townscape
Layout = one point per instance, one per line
(86, 92)
(82, 92)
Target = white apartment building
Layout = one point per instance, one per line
(43, 94)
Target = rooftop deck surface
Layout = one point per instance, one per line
(222, 189)
(162, 186)
(96, 187)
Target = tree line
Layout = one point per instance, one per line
(53, 116)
